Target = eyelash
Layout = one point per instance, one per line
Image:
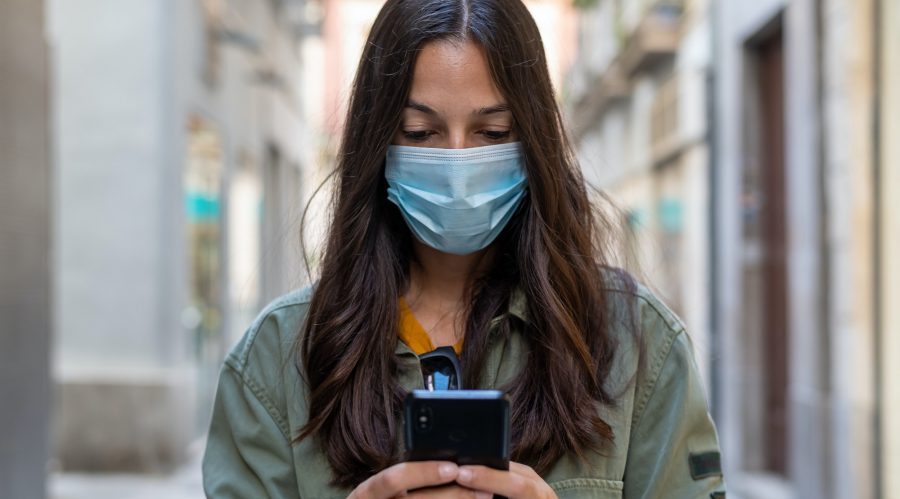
(495, 135)
(423, 135)
(418, 135)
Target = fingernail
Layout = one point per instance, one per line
(464, 475)
(447, 470)
(483, 495)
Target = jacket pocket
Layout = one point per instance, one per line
(588, 488)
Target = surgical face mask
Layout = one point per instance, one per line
(456, 200)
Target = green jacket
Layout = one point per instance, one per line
(665, 442)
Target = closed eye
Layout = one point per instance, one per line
(496, 134)
(417, 135)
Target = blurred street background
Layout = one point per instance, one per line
(156, 157)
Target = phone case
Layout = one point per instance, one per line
(463, 426)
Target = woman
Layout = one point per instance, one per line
(461, 219)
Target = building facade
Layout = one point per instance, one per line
(639, 119)
(752, 149)
(887, 179)
(797, 102)
(179, 138)
(25, 234)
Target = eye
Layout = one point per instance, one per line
(496, 134)
(417, 135)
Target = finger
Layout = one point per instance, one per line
(504, 483)
(448, 492)
(401, 477)
(523, 469)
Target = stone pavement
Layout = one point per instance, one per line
(184, 483)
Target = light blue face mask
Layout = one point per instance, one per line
(456, 200)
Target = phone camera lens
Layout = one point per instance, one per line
(423, 419)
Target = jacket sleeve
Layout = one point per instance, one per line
(248, 453)
(674, 451)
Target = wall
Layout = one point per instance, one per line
(831, 281)
(848, 168)
(889, 275)
(736, 24)
(109, 115)
(126, 387)
(165, 106)
(25, 232)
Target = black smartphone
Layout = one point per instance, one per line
(463, 426)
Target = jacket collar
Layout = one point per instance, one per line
(517, 308)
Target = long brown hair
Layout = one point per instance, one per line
(551, 251)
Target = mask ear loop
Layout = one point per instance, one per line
(435, 363)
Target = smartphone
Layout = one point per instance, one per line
(463, 426)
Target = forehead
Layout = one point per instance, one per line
(453, 76)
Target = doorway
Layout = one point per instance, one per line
(766, 323)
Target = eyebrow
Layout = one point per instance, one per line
(499, 108)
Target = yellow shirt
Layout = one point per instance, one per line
(414, 335)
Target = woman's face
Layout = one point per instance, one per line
(453, 102)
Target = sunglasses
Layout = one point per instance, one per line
(440, 369)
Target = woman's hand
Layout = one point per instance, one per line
(520, 482)
(400, 479)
